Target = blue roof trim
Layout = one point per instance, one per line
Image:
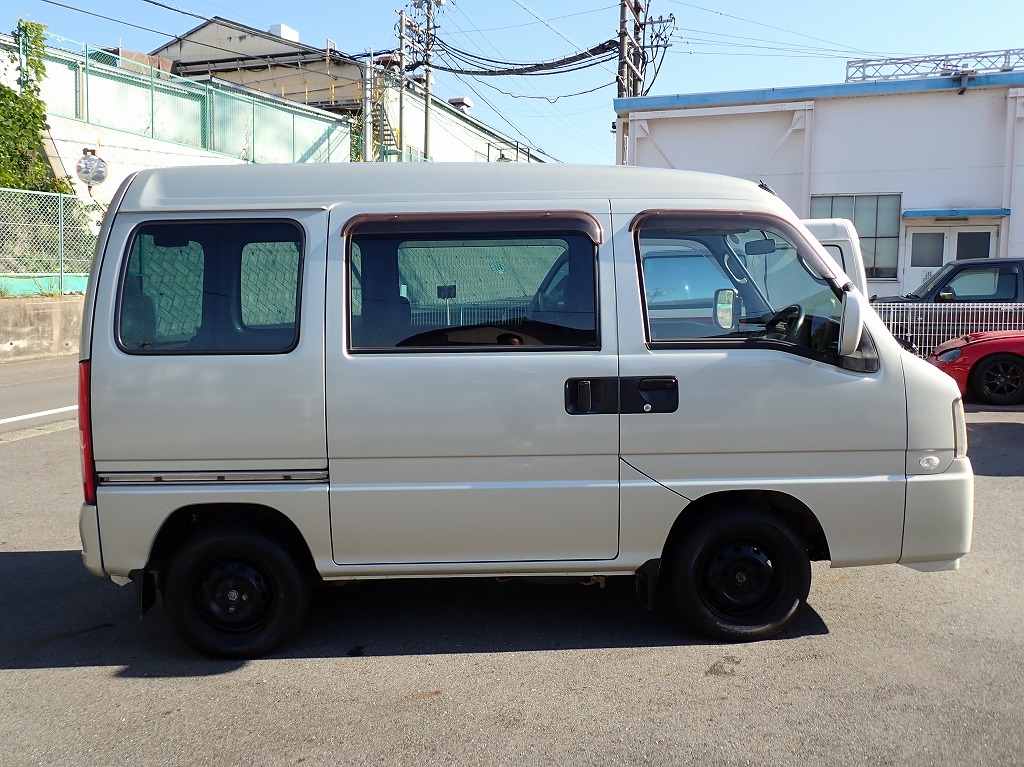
(943, 212)
(811, 92)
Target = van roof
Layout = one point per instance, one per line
(312, 186)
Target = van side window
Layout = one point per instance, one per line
(218, 287)
(496, 292)
(730, 280)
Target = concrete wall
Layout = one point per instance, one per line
(39, 327)
(124, 153)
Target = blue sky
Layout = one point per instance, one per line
(718, 45)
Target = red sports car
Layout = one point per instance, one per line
(988, 365)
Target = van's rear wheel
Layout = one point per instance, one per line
(739, 576)
(234, 594)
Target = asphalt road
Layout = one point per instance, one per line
(887, 667)
(34, 393)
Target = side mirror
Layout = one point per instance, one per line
(851, 326)
(945, 296)
(725, 308)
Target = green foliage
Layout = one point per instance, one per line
(23, 162)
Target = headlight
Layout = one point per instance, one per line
(949, 355)
(959, 429)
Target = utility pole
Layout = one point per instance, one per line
(631, 28)
(403, 47)
(636, 29)
(368, 110)
(423, 41)
(426, 78)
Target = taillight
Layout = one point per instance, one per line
(85, 434)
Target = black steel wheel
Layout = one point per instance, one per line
(999, 379)
(234, 594)
(740, 576)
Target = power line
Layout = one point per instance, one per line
(763, 40)
(525, 81)
(496, 111)
(176, 10)
(552, 112)
(549, 99)
(596, 55)
(806, 51)
(534, 23)
(106, 18)
(550, 26)
(760, 24)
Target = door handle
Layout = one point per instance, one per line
(657, 384)
(649, 394)
(592, 396)
(584, 396)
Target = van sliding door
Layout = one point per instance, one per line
(471, 391)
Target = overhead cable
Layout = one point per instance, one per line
(598, 54)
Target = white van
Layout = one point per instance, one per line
(839, 237)
(296, 374)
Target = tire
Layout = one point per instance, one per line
(739, 576)
(234, 593)
(999, 379)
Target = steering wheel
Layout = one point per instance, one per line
(785, 324)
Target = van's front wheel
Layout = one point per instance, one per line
(234, 594)
(739, 576)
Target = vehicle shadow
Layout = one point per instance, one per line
(996, 449)
(58, 616)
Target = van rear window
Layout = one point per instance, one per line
(211, 287)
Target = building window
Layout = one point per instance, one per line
(877, 220)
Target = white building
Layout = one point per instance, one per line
(930, 167)
(389, 108)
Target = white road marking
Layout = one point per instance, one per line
(37, 431)
(40, 414)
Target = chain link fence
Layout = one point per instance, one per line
(46, 242)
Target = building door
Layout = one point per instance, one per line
(930, 247)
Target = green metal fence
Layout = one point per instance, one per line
(102, 88)
(46, 242)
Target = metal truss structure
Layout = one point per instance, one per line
(947, 65)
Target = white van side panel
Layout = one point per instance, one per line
(210, 412)
(130, 517)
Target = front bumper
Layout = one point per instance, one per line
(939, 517)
